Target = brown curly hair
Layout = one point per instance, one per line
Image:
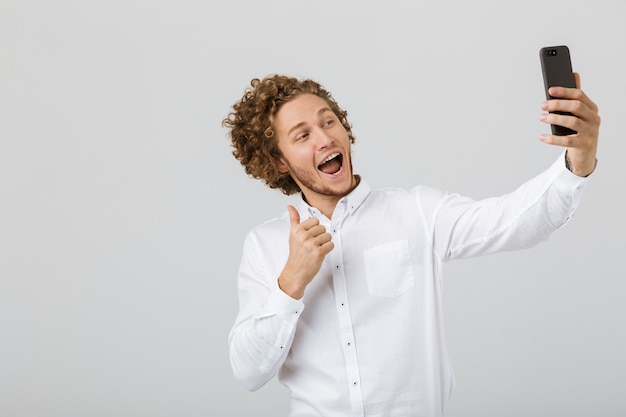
(251, 126)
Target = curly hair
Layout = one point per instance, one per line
(251, 125)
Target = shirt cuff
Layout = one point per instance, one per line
(566, 178)
(285, 307)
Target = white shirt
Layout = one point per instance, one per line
(367, 338)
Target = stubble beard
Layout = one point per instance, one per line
(306, 179)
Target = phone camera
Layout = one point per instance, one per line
(550, 52)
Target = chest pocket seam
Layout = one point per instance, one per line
(388, 269)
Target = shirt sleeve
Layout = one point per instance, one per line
(265, 326)
(461, 227)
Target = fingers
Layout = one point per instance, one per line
(573, 122)
(318, 234)
(309, 230)
(294, 219)
(557, 140)
(294, 216)
(309, 224)
(584, 117)
(572, 108)
(309, 243)
(585, 122)
(323, 238)
(562, 94)
(577, 79)
(578, 108)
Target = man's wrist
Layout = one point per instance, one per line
(568, 162)
(289, 287)
(580, 169)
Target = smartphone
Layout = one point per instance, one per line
(556, 66)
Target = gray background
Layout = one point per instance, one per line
(123, 212)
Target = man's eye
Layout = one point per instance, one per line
(329, 122)
(302, 136)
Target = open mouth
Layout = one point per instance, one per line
(332, 165)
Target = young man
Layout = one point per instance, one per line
(341, 295)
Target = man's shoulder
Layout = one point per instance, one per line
(416, 193)
(276, 224)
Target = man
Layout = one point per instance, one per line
(341, 295)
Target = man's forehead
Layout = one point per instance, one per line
(300, 110)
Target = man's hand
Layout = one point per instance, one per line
(309, 243)
(582, 146)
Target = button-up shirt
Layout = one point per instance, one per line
(367, 337)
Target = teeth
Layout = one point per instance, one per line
(331, 156)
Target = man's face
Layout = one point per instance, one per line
(315, 148)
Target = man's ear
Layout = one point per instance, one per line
(282, 166)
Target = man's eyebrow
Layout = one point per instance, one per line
(321, 111)
(297, 126)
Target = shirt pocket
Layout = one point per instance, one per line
(388, 269)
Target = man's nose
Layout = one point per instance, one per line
(322, 139)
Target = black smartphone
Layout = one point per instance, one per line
(556, 66)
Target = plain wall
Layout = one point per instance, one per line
(123, 212)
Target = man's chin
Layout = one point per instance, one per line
(339, 187)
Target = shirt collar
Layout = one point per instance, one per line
(351, 202)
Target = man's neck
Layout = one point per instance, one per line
(326, 203)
